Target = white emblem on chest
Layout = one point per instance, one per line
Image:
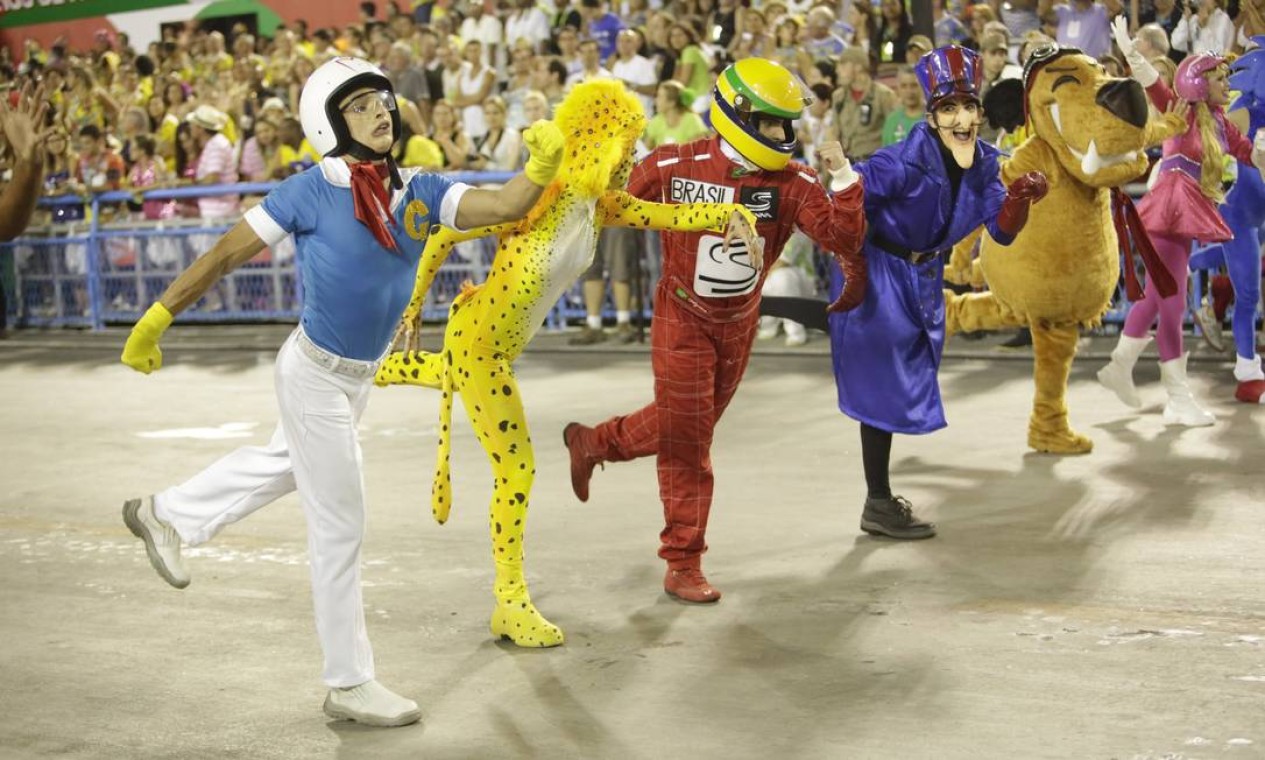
(719, 273)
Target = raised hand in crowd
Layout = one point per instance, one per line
(24, 124)
(25, 133)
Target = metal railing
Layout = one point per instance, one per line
(107, 266)
(90, 272)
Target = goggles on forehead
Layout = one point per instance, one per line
(364, 104)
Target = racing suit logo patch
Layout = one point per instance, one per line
(760, 201)
(721, 274)
(685, 190)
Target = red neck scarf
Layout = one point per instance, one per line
(371, 200)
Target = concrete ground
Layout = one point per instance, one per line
(1105, 606)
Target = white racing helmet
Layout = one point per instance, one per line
(323, 123)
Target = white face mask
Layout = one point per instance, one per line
(957, 122)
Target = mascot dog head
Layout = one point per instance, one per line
(1096, 124)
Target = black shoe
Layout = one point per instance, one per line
(893, 517)
(1021, 339)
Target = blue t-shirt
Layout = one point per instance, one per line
(1088, 30)
(354, 289)
(603, 31)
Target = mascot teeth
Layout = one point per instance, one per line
(1091, 161)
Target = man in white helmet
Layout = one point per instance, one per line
(359, 225)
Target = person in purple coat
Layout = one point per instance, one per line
(922, 196)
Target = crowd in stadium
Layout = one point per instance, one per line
(200, 107)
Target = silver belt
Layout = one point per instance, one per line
(333, 362)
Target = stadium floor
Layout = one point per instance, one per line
(1092, 607)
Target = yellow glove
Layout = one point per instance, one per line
(141, 352)
(544, 142)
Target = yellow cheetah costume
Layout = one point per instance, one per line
(1060, 273)
(489, 325)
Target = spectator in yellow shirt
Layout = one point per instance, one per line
(295, 153)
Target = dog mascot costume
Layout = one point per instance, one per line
(1088, 134)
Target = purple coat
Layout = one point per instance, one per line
(886, 352)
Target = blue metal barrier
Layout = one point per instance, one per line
(108, 265)
(93, 272)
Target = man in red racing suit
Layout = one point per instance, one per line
(705, 319)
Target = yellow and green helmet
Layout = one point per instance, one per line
(753, 90)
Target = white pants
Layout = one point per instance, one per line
(314, 448)
(786, 281)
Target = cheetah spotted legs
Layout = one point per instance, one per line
(491, 399)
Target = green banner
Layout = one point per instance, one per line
(26, 12)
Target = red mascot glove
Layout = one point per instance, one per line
(1021, 194)
(855, 279)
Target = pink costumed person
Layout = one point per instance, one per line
(1180, 209)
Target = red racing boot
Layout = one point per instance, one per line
(688, 584)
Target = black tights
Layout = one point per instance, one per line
(876, 454)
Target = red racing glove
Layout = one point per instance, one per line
(1021, 194)
(855, 279)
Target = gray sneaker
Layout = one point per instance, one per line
(1209, 326)
(625, 334)
(162, 542)
(894, 517)
(587, 337)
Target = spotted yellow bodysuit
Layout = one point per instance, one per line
(489, 325)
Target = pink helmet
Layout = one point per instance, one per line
(1189, 80)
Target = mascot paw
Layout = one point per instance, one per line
(411, 368)
(1059, 442)
(519, 621)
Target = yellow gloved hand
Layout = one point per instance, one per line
(544, 142)
(141, 352)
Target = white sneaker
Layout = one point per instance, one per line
(373, 704)
(162, 542)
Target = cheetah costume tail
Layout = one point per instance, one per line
(406, 364)
(441, 488)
